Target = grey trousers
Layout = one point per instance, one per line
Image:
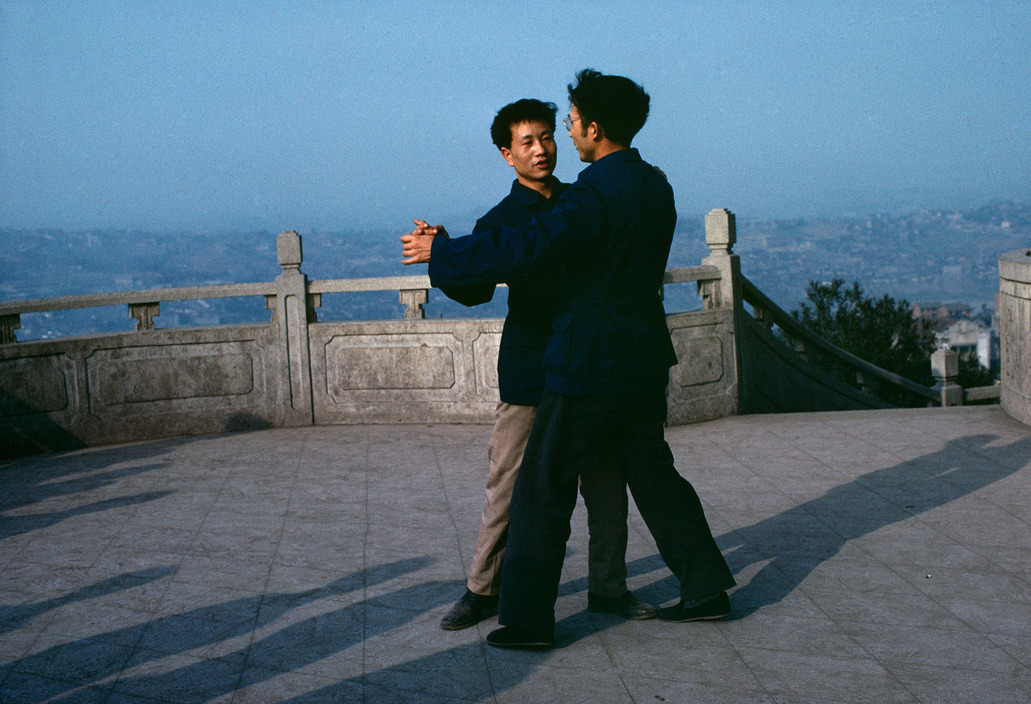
(604, 493)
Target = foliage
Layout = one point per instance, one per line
(972, 374)
(881, 331)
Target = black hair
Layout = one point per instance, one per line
(525, 110)
(617, 104)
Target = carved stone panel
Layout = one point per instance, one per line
(33, 385)
(389, 362)
(168, 373)
(701, 357)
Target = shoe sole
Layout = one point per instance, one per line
(630, 617)
(528, 645)
(713, 617)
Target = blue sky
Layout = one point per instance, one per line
(329, 115)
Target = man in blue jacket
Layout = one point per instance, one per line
(524, 133)
(606, 364)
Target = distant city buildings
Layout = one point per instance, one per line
(960, 327)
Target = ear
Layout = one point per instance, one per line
(595, 132)
(507, 153)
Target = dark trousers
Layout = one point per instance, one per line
(570, 435)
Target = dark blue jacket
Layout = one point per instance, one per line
(609, 235)
(531, 304)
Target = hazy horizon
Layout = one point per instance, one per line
(360, 115)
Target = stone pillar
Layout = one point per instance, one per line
(291, 319)
(945, 370)
(1015, 333)
(721, 235)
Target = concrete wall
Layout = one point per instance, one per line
(1015, 332)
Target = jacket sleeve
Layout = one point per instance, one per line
(498, 256)
(477, 294)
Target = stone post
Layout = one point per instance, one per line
(945, 370)
(720, 235)
(1015, 333)
(291, 319)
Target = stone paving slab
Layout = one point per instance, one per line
(881, 556)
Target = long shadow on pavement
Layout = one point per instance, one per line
(63, 668)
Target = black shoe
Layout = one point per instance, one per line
(515, 637)
(468, 611)
(627, 606)
(715, 608)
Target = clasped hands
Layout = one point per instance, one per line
(416, 245)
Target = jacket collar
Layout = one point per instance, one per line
(623, 156)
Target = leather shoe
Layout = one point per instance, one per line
(710, 610)
(515, 637)
(468, 611)
(627, 606)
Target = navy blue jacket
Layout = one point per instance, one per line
(530, 303)
(609, 234)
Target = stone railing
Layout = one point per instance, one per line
(296, 370)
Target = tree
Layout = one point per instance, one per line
(881, 331)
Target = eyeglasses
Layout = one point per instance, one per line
(568, 122)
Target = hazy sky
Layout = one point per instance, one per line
(295, 115)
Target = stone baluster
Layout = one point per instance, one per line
(8, 324)
(945, 370)
(144, 314)
(413, 300)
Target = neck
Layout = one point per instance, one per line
(542, 187)
(606, 147)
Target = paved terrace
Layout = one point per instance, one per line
(882, 556)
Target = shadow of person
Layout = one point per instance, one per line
(15, 616)
(291, 648)
(39, 479)
(71, 666)
(793, 543)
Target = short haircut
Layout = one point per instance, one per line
(525, 110)
(616, 103)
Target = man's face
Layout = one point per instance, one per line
(533, 153)
(578, 132)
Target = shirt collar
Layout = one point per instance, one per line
(528, 196)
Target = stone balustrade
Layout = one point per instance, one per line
(297, 370)
(294, 370)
